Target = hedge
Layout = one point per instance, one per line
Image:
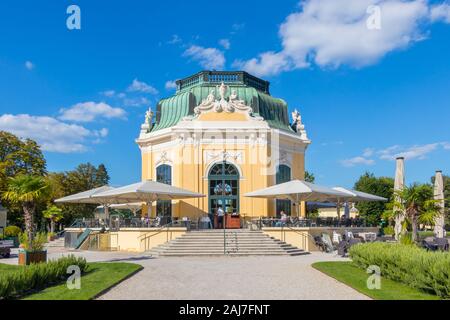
(37, 276)
(411, 265)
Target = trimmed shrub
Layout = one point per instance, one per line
(37, 276)
(411, 265)
(389, 231)
(12, 231)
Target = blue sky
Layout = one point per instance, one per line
(365, 95)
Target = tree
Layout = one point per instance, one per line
(19, 157)
(381, 186)
(418, 203)
(84, 177)
(309, 177)
(54, 214)
(27, 191)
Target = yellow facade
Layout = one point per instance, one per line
(228, 119)
(190, 163)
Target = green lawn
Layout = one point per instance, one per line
(7, 267)
(99, 277)
(356, 278)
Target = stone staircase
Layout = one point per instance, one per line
(58, 243)
(238, 243)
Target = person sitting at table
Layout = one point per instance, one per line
(283, 219)
(220, 214)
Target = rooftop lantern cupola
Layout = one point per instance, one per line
(234, 78)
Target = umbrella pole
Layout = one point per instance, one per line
(107, 221)
(338, 211)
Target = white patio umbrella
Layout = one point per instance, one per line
(86, 197)
(399, 185)
(355, 196)
(297, 191)
(147, 192)
(439, 197)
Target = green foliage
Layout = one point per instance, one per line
(413, 266)
(53, 213)
(407, 239)
(36, 244)
(37, 276)
(25, 189)
(19, 157)
(383, 187)
(12, 231)
(418, 204)
(309, 177)
(84, 177)
(389, 231)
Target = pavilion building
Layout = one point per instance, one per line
(223, 135)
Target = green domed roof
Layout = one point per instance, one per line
(193, 90)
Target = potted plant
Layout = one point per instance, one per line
(34, 254)
(27, 191)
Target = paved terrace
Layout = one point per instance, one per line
(222, 278)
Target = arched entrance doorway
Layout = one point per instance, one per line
(223, 188)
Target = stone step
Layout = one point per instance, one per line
(239, 243)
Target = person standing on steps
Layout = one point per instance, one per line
(220, 215)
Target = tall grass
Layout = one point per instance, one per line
(37, 276)
(413, 266)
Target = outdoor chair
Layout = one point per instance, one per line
(435, 244)
(319, 243)
(328, 243)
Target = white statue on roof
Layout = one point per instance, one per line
(148, 124)
(298, 125)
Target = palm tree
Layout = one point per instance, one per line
(27, 191)
(54, 214)
(418, 203)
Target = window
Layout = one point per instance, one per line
(224, 188)
(164, 175)
(283, 175)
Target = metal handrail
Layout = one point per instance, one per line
(158, 231)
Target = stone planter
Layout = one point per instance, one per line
(27, 257)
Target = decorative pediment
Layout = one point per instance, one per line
(222, 104)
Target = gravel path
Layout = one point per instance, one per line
(222, 278)
(240, 278)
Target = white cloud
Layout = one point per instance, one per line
(108, 93)
(225, 43)
(440, 12)
(368, 152)
(415, 152)
(208, 58)
(267, 64)
(51, 134)
(90, 111)
(139, 86)
(357, 161)
(419, 152)
(334, 33)
(135, 102)
(29, 65)
(171, 85)
(175, 39)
